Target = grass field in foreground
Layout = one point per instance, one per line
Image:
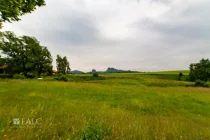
(114, 107)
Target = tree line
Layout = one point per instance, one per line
(24, 55)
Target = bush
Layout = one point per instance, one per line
(95, 131)
(95, 74)
(187, 78)
(19, 76)
(61, 78)
(200, 71)
(31, 76)
(200, 83)
(4, 76)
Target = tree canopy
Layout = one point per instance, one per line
(24, 54)
(63, 65)
(11, 10)
(200, 71)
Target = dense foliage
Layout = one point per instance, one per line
(61, 77)
(200, 83)
(11, 10)
(95, 74)
(200, 71)
(63, 65)
(24, 54)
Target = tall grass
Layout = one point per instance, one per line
(118, 106)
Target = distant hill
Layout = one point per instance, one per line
(76, 72)
(114, 70)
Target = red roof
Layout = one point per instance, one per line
(3, 67)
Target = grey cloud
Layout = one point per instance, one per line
(166, 42)
(189, 30)
(76, 30)
(162, 1)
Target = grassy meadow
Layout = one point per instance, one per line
(118, 106)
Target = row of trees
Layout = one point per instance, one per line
(25, 55)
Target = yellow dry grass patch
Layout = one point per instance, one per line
(40, 95)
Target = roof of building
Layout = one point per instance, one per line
(3, 67)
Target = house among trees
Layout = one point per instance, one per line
(54, 72)
(3, 69)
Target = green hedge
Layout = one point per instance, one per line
(61, 78)
(200, 83)
(5, 76)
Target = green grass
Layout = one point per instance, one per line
(112, 106)
(185, 72)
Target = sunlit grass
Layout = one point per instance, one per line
(119, 106)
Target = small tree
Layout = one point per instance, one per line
(63, 65)
(180, 76)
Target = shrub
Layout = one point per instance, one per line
(31, 76)
(19, 76)
(95, 74)
(61, 77)
(187, 78)
(95, 131)
(4, 76)
(200, 83)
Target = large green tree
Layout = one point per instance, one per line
(25, 54)
(11, 10)
(43, 61)
(63, 65)
(200, 71)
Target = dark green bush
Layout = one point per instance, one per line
(187, 78)
(200, 71)
(95, 74)
(61, 77)
(200, 83)
(31, 76)
(19, 76)
(4, 76)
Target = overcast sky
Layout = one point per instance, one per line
(143, 35)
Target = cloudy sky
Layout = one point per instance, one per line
(143, 35)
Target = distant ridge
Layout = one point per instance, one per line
(110, 70)
(114, 70)
(76, 72)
